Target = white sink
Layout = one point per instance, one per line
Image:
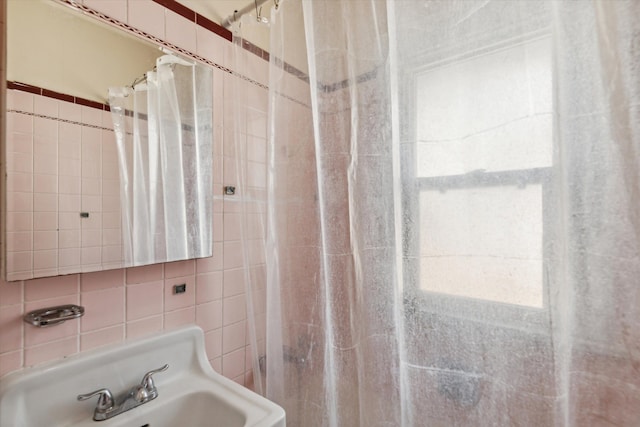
(190, 392)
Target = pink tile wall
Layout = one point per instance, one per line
(119, 304)
(130, 303)
(65, 160)
(20, 177)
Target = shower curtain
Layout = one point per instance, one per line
(164, 132)
(454, 214)
(245, 147)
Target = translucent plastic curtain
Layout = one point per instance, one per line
(164, 134)
(455, 243)
(245, 154)
(293, 306)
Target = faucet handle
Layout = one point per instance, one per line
(147, 380)
(105, 401)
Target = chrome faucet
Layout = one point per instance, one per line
(109, 407)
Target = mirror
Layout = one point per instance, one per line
(64, 211)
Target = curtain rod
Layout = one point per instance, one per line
(248, 8)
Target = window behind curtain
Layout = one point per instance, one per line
(484, 146)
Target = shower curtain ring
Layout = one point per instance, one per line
(259, 16)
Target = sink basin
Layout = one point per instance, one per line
(195, 409)
(190, 392)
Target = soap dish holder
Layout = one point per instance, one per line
(53, 315)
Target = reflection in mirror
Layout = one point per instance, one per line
(164, 132)
(55, 47)
(63, 182)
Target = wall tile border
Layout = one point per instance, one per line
(57, 95)
(58, 119)
(192, 16)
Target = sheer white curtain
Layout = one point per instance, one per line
(245, 151)
(453, 232)
(163, 129)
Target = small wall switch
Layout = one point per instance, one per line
(180, 289)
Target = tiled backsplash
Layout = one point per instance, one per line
(128, 303)
(124, 304)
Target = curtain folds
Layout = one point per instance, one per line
(164, 133)
(245, 148)
(453, 231)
